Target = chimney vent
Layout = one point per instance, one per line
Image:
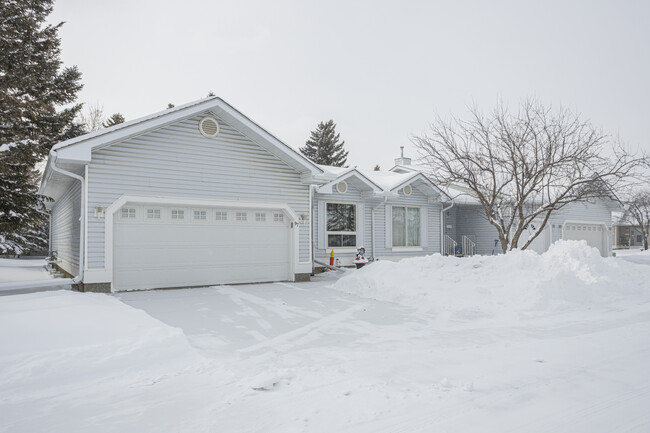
(401, 160)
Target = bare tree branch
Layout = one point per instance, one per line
(524, 166)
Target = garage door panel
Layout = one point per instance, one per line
(593, 234)
(159, 254)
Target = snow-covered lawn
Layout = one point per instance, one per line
(521, 343)
(24, 269)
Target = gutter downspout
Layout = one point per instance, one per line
(372, 226)
(79, 278)
(442, 226)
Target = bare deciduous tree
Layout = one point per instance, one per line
(523, 166)
(92, 117)
(637, 213)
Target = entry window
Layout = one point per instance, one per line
(241, 216)
(128, 213)
(221, 215)
(260, 217)
(341, 225)
(178, 214)
(278, 217)
(406, 227)
(153, 214)
(200, 215)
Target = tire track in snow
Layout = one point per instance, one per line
(285, 339)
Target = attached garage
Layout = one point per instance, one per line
(156, 246)
(593, 233)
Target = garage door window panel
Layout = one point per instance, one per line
(221, 215)
(128, 213)
(177, 215)
(200, 215)
(341, 225)
(153, 214)
(241, 216)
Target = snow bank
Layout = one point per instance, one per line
(63, 350)
(569, 274)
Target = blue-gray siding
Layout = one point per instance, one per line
(65, 228)
(353, 195)
(470, 220)
(178, 161)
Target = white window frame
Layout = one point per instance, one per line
(239, 214)
(278, 217)
(223, 215)
(128, 217)
(355, 232)
(407, 247)
(260, 217)
(171, 215)
(154, 209)
(200, 220)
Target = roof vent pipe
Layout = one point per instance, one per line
(401, 160)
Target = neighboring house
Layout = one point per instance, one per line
(468, 232)
(626, 234)
(200, 195)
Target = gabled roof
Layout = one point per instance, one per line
(79, 149)
(341, 173)
(384, 182)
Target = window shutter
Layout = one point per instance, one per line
(361, 219)
(389, 226)
(321, 225)
(424, 226)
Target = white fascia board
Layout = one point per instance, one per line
(328, 187)
(419, 176)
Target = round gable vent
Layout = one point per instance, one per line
(209, 127)
(342, 187)
(407, 190)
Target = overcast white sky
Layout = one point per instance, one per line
(379, 69)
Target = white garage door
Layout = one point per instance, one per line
(165, 246)
(592, 233)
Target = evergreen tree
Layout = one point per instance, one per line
(323, 146)
(37, 110)
(115, 119)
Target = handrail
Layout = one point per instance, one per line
(469, 246)
(449, 247)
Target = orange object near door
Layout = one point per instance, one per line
(332, 258)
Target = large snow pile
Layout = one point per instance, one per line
(62, 349)
(569, 274)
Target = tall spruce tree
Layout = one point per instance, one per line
(37, 110)
(323, 146)
(115, 119)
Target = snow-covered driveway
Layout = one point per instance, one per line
(308, 358)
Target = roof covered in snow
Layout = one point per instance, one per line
(385, 182)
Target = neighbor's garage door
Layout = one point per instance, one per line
(156, 246)
(592, 233)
